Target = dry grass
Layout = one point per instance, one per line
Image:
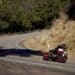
(61, 32)
(36, 43)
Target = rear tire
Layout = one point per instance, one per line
(46, 57)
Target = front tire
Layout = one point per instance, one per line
(61, 60)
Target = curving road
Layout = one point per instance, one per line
(15, 42)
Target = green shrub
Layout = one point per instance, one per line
(30, 14)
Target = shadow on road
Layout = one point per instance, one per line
(19, 52)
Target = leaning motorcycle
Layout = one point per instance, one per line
(61, 56)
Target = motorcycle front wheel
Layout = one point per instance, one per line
(61, 60)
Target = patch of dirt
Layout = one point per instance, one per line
(61, 32)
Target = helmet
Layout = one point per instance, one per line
(63, 46)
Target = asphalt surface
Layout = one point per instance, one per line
(54, 68)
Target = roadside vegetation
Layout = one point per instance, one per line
(28, 15)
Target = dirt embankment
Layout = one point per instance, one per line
(61, 32)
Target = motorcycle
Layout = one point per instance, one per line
(60, 56)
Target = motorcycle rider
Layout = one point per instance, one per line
(59, 50)
(58, 54)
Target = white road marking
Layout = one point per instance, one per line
(17, 45)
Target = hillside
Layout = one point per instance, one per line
(61, 32)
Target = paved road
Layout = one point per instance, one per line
(14, 42)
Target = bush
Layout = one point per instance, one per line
(29, 14)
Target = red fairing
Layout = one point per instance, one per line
(60, 51)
